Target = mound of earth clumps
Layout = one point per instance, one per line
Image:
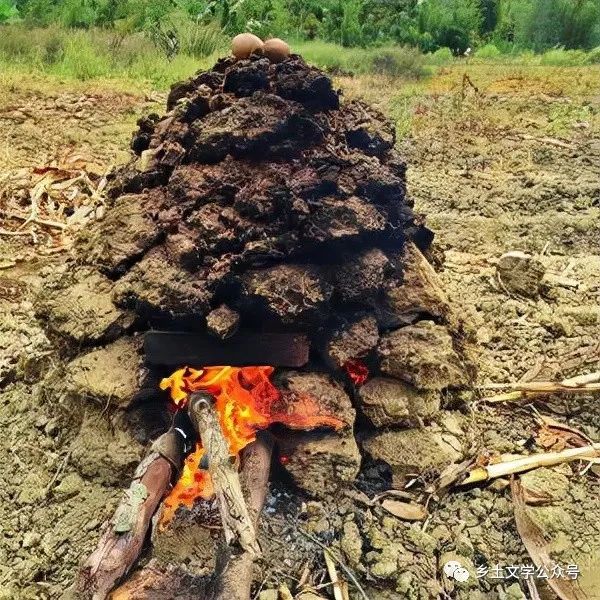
(262, 202)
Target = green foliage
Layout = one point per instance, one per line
(452, 23)
(77, 13)
(8, 11)
(441, 56)
(544, 24)
(488, 51)
(559, 57)
(198, 28)
(350, 28)
(489, 14)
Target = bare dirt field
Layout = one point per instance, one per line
(501, 157)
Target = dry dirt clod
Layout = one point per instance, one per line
(419, 292)
(79, 306)
(223, 322)
(320, 464)
(108, 376)
(352, 341)
(387, 401)
(424, 356)
(520, 273)
(414, 452)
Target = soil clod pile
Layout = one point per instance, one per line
(261, 190)
(261, 201)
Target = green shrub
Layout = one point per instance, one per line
(559, 57)
(77, 13)
(398, 62)
(488, 51)
(442, 56)
(593, 57)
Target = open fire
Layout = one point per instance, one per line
(246, 401)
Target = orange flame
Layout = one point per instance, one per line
(246, 401)
(194, 483)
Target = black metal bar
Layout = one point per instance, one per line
(180, 349)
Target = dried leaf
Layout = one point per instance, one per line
(408, 511)
(534, 542)
(565, 436)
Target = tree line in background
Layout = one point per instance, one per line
(427, 24)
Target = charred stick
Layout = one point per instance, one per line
(237, 524)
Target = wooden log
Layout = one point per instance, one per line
(174, 349)
(124, 535)
(237, 524)
(236, 580)
(157, 582)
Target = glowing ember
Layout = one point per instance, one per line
(246, 401)
(357, 371)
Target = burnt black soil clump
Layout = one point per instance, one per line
(259, 188)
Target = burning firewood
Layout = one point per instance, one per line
(125, 533)
(235, 519)
(234, 580)
(120, 546)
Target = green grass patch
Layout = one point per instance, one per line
(394, 61)
(92, 54)
(559, 57)
(149, 59)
